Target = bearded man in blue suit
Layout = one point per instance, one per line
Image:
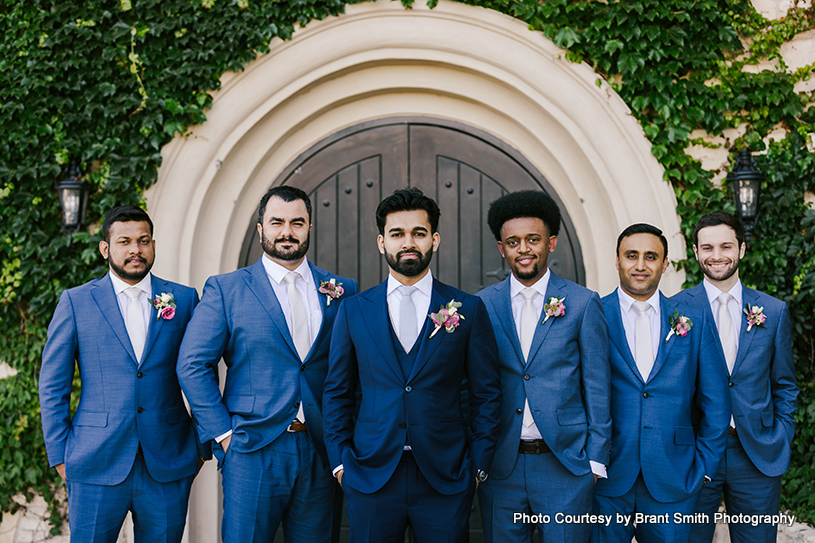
(130, 446)
(410, 456)
(555, 432)
(754, 337)
(271, 323)
(664, 365)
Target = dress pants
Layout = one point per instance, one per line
(285, 483)
(408, 498)
(96, 512)
(746, 490)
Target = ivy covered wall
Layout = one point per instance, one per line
(109, 83)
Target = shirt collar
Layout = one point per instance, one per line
(627, 301)
(713, 291)
(515, 286)
(278, 272)
(424, 285)
(145, 285)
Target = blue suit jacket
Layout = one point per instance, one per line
(426, 407)
(568, 378)
(98, 444)
(240, 319)
(763, 393)
(652, 429)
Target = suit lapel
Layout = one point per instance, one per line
(155, 325)
(666, 309)
(327, 311)
(374, 306)
(258, 282)
(428, 346)
(553, 290)
(617, 336)
(749, 297)
(105, 298)
(502, 304)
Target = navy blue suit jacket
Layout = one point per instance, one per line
(240, 319)
(763, 393)
(426, 407)
(566, 379)
(124, 401)
(652, 428)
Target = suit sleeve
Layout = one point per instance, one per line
(712, 399)
(204, 343)
(782, 375)
(339, 392)
(484, 388)
(56, 376)
(595, 373)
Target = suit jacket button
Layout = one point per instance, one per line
(302, 367)
(526, 377)
(644, 394)
(519, 411)
(139, 410)
(296, 405)
(732, 384)
(402, 425)
(140, 375)
(408, 389)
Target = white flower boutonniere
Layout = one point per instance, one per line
(555, 308)
(680, 325)
(755, 316)
(165, 304)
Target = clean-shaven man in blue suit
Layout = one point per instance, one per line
(410, 456)
(555, 432)
(757, 348)
(271, 322)
(131, 445)
(664, 360)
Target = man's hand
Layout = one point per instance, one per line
(61, 470)
(225, 443)
(595, 478)
(339, 476)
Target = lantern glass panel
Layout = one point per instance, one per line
(71, 199)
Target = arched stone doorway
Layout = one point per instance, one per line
(462, 168)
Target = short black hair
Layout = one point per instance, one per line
(411, 199)
(524, 203)
(287, 193)
(642, 228)
(124, 214)
(716, 218)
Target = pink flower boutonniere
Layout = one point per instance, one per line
(331, 289)
(165, 304)
(755, 316)
(555, 308)
(680, 325)
(448, 317)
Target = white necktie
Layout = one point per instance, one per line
(299, 319)
(642, 340)
(529, 322)
(134, 321)
(408, 329)
(726, 332)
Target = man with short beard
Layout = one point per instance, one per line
(410, 456)
(754, 336)
(271, 323)
(130, 445)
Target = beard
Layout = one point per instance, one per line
(531, 274)
(128, 276)
(410, 268)
(295, 253)
(720, 275)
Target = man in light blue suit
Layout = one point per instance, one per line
(130, 446)
(664, 364)
(754, 337)
(271, 322)
(410, 456)
(555, 432)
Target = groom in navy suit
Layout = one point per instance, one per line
(555, 432)
(271, 322)
(130, 446)
(410, 456)
(664, 365)
(761, 375)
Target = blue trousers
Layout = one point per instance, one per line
(383, 516)
(285, 483)
(746, 490)
(657, 524)
(96, 512)
(541, 487)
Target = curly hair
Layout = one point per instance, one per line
(525, 203)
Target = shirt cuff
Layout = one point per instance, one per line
(598, 469)
(223, 436)
(338, 468)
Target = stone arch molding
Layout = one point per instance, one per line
(455, 62)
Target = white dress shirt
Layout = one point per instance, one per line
(733, 306)
(420, 297)
(146, 286)
(629, 315)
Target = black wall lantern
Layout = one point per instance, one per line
(745, 180)
(73, 198)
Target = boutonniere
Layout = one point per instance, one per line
(447, 317)
(680, 325)
(755, 316)
(331, 289)
(165, 304)
(554, 308)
